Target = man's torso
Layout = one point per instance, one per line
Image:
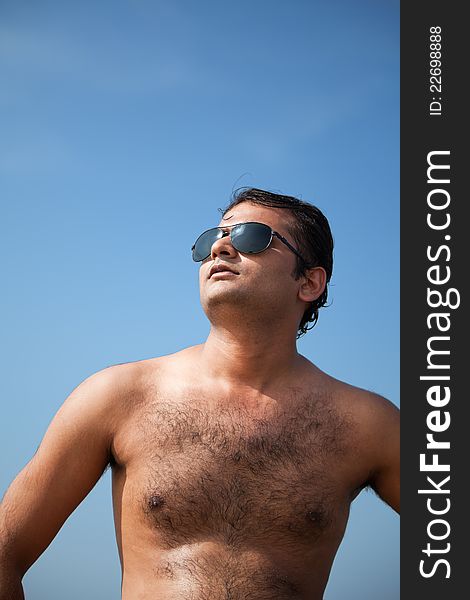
(221, 494)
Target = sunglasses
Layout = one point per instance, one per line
(248, 238)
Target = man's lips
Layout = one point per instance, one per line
(221, 268)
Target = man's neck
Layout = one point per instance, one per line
(249, 357)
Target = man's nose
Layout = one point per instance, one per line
(223, 247)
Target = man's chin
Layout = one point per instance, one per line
(225, 296)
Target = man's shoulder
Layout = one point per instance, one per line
(373, 423)
(103, 391)
(133, 376)
(375, 419)
(367, 405)
(158, 364)
(118, 376)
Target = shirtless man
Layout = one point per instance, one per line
(234, 462)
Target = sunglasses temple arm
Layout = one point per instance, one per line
(296, 252)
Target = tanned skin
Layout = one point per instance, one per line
(234, 462)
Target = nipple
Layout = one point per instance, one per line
(319, 517)
(312, 515)
(156, 501)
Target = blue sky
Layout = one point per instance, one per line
(125, 125)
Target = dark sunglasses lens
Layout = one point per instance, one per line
(203, 245)
(251, 237)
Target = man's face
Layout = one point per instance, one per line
(260, 283)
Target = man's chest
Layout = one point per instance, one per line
(200, 469)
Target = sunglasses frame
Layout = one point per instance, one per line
(229, 233)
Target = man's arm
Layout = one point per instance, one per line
(71, 458)
(385, 479)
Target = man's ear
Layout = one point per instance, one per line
(313, 284)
